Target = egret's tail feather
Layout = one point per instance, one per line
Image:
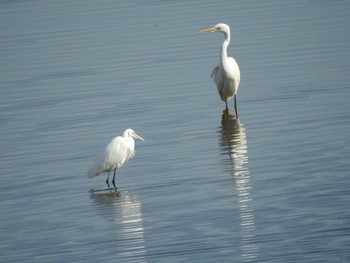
(92, 174)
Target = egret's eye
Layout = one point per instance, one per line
(218, 28)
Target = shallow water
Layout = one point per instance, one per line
(272, 186)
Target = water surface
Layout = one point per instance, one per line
(272, 186)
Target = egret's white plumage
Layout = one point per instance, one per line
(115, 154)
(226, 75)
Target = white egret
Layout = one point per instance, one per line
(226, 75)
(116, 153)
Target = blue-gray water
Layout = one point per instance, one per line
(272, 186)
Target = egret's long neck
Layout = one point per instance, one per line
(224, 60)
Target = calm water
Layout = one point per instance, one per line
(272, 186)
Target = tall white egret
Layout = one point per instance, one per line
(115, 154)
(226, 75)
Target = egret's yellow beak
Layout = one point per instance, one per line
(137, 137)
(212, 29)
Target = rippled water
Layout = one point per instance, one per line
(272, 186)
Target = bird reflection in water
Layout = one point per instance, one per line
(234, 143)
(124, 213)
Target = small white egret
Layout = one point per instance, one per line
(226, 75)
(116, 153)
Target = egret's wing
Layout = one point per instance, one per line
(235, 72)
(213, 73)
(117, 152)
(218, 78)
(106, 160)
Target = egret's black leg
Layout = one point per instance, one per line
(113, 181)
(236, 106)
(107, 179)
(226, 105)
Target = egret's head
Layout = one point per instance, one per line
(221, 27)
(131, 133)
